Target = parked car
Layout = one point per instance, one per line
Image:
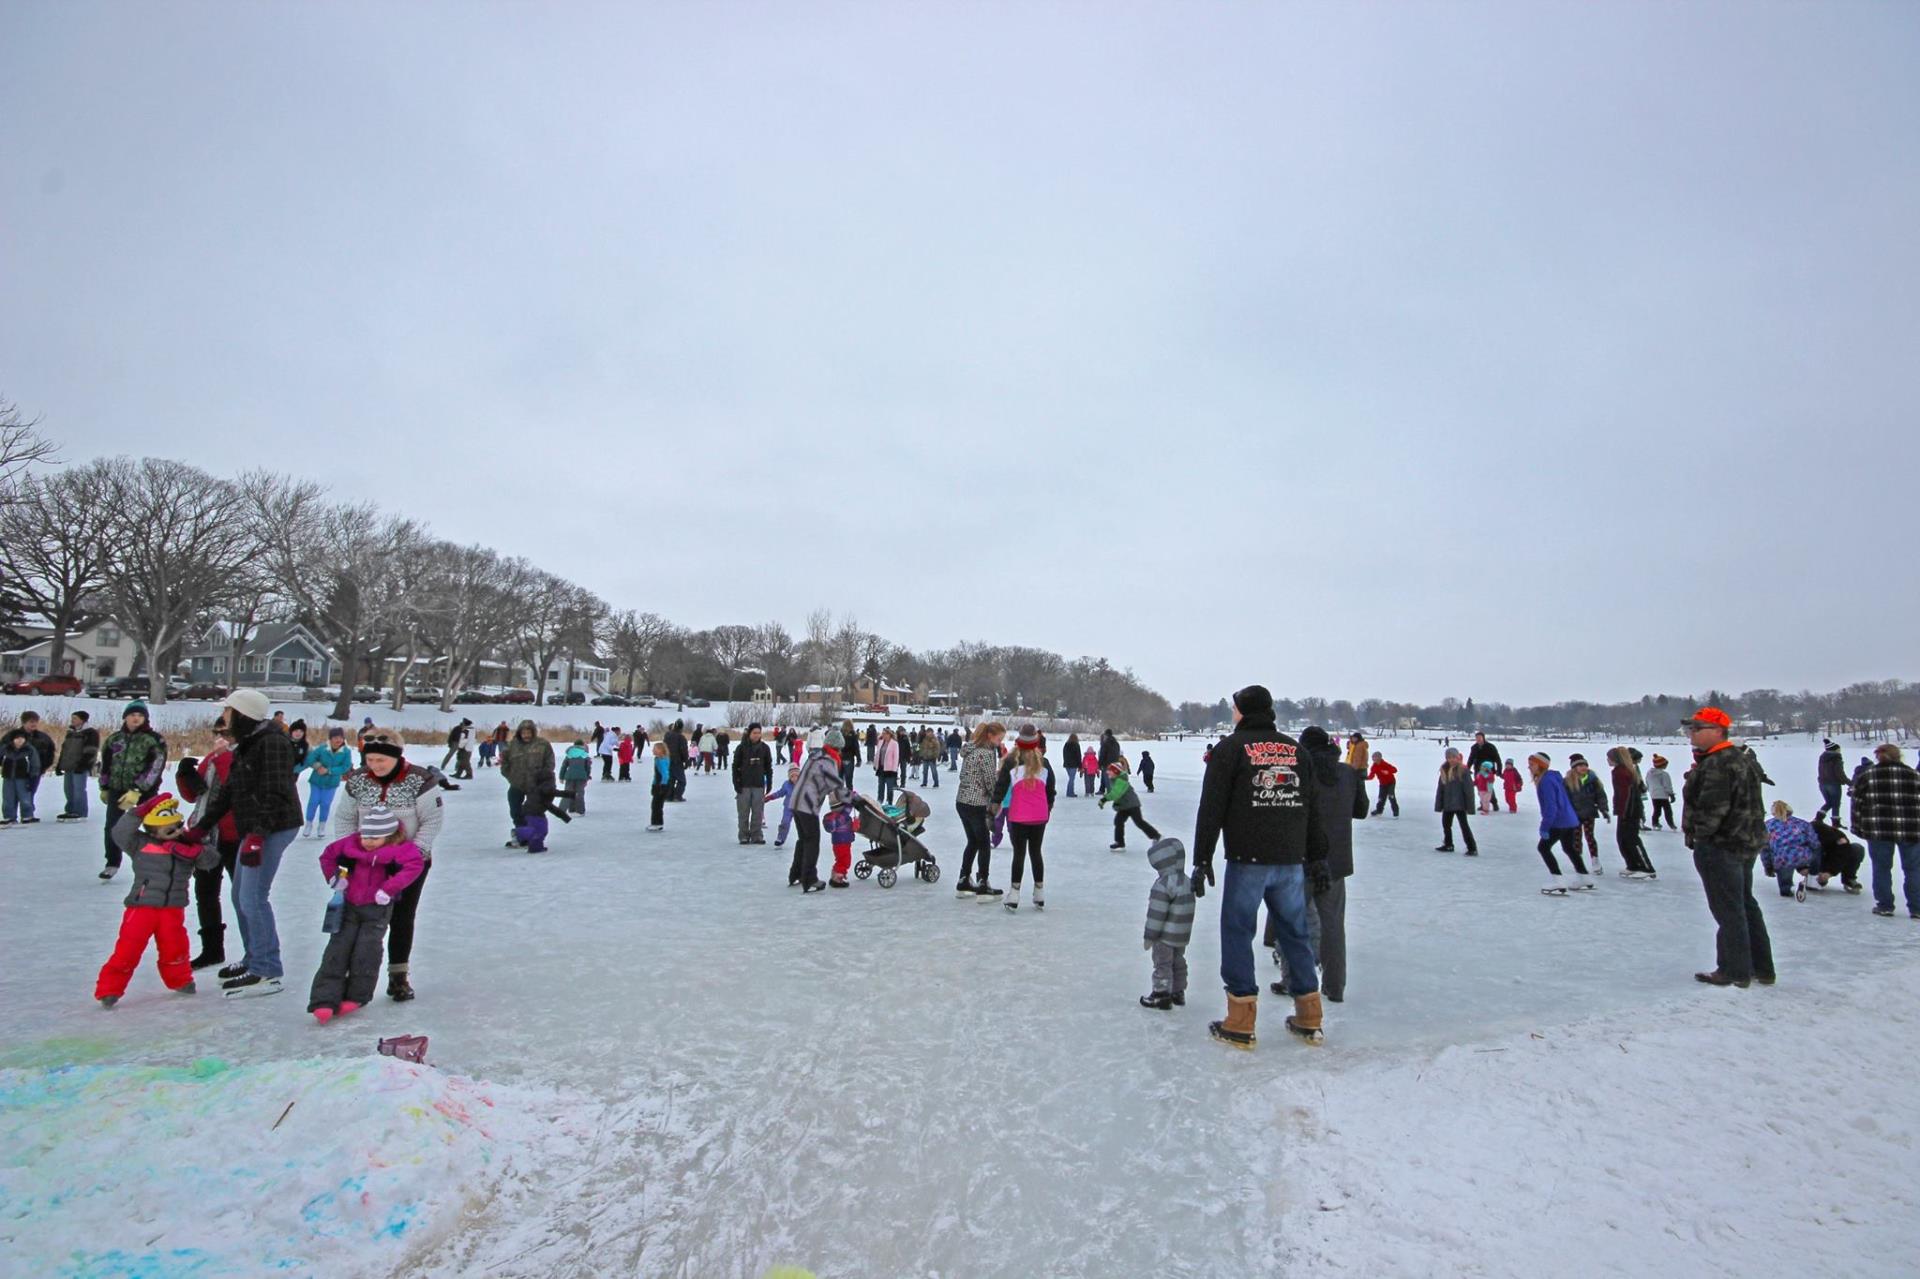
(202, 693)
(314, 693)
(48, 686)
(612, 699)
(364, 693)
(640, 701)
(472, 697)
(566, 699)
(517, 697)
(696, 701)
(120, 686)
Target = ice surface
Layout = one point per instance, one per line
(707, 1074)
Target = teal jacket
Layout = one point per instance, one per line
(338, 762)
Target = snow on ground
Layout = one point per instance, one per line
(696, 1071)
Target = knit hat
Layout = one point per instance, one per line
(378, 822)
(250, 702)
(816, 739)
(383, 748)
(1254, 699)
(300, 724)
(135, 707)
(832, 739)
(334, 730)
(1315, 736)
(1575, 760)
(164, 813)
(1028, 740)
(1542, 756)
(1827, 744)
(1659, 761)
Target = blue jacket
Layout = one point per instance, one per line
(339, 763)
(1556, 806)
(663, 770)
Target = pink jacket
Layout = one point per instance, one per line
(887, 757)
(1090, 764)
(387, 870)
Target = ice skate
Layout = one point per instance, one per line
(251, 986)
(1039, 895)
(108, 1001)
(1012, 900)
(1554, 887)
(985, 892)
(231, 971)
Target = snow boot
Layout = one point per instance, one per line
(1179, 999)
(322, 1015)
(1307, 1018)
(213, 948)
(1039, 895)
(1159, 999)
(1237, 1029)
(1012, 901)
(399, 989)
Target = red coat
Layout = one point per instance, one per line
(625, 751)
(227, 831)
(1383, 773)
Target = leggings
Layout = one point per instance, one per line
(1026, 843)
(1466, 831)
(400, 928)
(320, 802)
(1569, 841)
(973, 819)
(660, 792)
(1120, 819)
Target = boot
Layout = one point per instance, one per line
(1161, 1000)
(1237, 1029)
(399, 989)
(1306, 1019)
(213, 948)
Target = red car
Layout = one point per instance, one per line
(48, 686)
(203, 693)
(517, 697)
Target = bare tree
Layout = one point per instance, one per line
(846, 645)
(543, 632)
(635, 638)
(177, 538)
(732, 647)
(53, 547)
(21, 447)
(774, 650)
(474, 594)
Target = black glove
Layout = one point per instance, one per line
(1201, 877)
(1319, 876)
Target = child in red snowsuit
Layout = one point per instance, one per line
(841, 827)
(1511, 780)
(626, 751)
(156, 909)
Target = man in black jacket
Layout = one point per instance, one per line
(676, 741)
(1341, 801)
(1482, 752)
(1259, 794)
(752, 779)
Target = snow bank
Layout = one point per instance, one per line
(125, 1170)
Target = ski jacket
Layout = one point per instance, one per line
(336, 761)
(527, 765)
(1589, 797)
(42, 746)
(930, 748)
(133, 761)
(1146, 767)
(1512, 782)
(1792, 844)
(259, 791)
(1170, 903)
(372, 870)
(1340, 801)
(1454, 794)
(1357, 754)
(625, 752)
(1258, 798)
(577, 766)
(819, 781)
(162, 868)
(1832, 769)
(1070, 754)
(1383, 772)
(1089, 763)
(1109, 749)
(20, 763)
(1028, 800)
(1481, 752)
(79, 752)
(1724, 808)
(1659, 784)
(1120, 794)
(709, 743)
(609, 746)
(752, 767)
(412, 794)
(978, 768)
(840, 826)
(1886, 803)
(676, 742)
(1556, 805)
(663, 770)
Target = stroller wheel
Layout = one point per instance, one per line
(862, 869)
(887, 877)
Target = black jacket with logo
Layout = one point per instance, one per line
(1260, 797)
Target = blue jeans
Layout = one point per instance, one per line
(1284, 890)
(320, 801)
(76, 784)
(251, 886)
(1830, 799)
(1071, 774)
(16, 799)
(930, 773)
(1882, 851)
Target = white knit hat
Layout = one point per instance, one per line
(250, 702)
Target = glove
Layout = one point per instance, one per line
(192, 835)
(128, 800)
(250, 848)
(382, 899)
(1319, 876)
(1201, 877)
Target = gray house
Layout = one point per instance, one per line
(278, 653)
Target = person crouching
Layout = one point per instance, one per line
(164, 857)
(370, 868)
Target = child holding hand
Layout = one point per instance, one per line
(370, 868)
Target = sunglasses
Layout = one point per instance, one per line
(377, 737)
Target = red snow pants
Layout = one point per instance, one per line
(166, 925)
(842, 858)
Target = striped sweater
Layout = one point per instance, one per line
(1170, 903)
(819, 781)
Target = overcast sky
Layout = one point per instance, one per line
(1519, 352)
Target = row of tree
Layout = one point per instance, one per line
(169, 552)
(1875, 707)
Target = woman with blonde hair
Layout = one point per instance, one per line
(979, 763)
(1025, 786)
(1627, 814)
(1453, 798)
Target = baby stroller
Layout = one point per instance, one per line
(892, 834)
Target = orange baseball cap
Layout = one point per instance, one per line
(1711, 715)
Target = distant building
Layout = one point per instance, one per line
(99, 652)
(280, 653)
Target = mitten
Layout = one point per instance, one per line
(250, 849)
(381, 898)
(128, 800)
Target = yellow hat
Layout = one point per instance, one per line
(163, 814)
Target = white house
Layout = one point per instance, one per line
(99, 652)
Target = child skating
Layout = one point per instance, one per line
(1126, 807)
(576, 770)
(1026, 792)
(785, 795)
(368, 869)
(156, 908)
(1384, 773)
(662, 789)
(1170, 907)
(1513, 783)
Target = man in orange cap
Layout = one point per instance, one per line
(1724, 822)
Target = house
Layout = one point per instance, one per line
(568, 675)
(99, 652)
(819, 695)
(279, 653)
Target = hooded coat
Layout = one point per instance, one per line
(1170, 903)
(1338, 797)
(527, 764)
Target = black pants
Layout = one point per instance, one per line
(660, 792)
(1146, 780)
(1026, 837)
(973, 819)
(1569, 841)
(1466, 831)
(1742, 949)
(1120, 818)
(404, 908)
(113, 815)
(677, 780)
(1663, 807)
(206, 899)
(806, 849)
(1387, 796)
(516, 806)
(350, 968)
(626, 772)
(463, 763)
(1626, 837)
(606, 768)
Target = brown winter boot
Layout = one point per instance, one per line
(1237, 1029)
(1306, 1018)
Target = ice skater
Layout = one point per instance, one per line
(662, 789)
(1559, 824)
(1384, 773)
(785, 795)
(841, 826)
(1028, 801)
(163, 856)
(1126, 807)
(369, 870)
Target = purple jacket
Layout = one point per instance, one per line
(388, 869)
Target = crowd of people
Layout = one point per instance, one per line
(1281, 811)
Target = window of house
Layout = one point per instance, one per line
(258, 665)
(108, 636)
(219, 666)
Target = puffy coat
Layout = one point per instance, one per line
(1028, 800)
(527, 764)
(337, 761)
(1170, 903)
(753, 767)
(1886, 803)
(135, 760)
(1724, 807)
(819, 781)
(162, 868)
(79, 752)
(412, 793)
(1340, 800)
(380, 870)
(1454, 793)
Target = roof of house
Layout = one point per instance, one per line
(269, 639)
